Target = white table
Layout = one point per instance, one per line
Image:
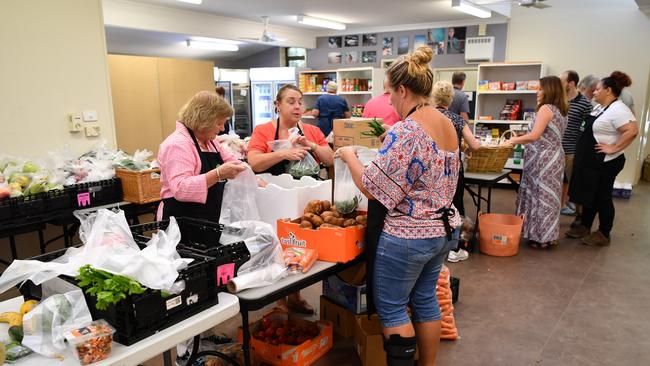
(147, 348)
(517, 168)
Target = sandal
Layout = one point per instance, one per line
(534, 244)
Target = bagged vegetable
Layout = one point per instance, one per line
(448, 328)
(346, 193)
(299, 259)
(239, 198)
(305, 167)
(46, 324)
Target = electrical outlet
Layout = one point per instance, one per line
(92, 131)
(90, 116)
(74, 122)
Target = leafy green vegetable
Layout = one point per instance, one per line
(107, 287)
(377, 129)
(301, 170)
(347, 206)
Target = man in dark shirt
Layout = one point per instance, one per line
(579, 108)
(460, 103)
(330, 107)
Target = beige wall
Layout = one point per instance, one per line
(591, 37)
(53, 61)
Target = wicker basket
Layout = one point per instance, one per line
(140, 187)
(490, 159)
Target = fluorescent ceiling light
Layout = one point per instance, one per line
(214, 46)
(471, 8)
(318, 22)
(191, 1)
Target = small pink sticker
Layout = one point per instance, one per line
(83, 199)
(224, 273)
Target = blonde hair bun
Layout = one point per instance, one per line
(422, 56)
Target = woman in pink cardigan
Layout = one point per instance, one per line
(193, 168)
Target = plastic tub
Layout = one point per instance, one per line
(499, 234)
(91, 343)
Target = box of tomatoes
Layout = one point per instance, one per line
(280, 339)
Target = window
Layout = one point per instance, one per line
(296, 57)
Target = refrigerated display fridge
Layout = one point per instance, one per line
(265, 83)
(227, 87)
(240, 98)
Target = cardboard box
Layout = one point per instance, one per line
(522, 85)
(509, 86)
(342, 319)
(338, 245)
(494, 85)
(369, 341)
(483, 84)
(533, 84)
(349, 132)
(287, 197)
(355, 275)
(350, 296)
(304, 354)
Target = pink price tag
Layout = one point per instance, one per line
(224, 273)
(83, 199)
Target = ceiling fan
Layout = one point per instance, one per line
(267, 35)
(525, 3)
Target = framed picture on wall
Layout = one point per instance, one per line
(369, 40)
(369, 57)
(387, 46)
(334, 42)
(403, 45)
(436, 40)
(351, 57)
(456, 39)
(334, 57)
(419, 40)
(352, 41)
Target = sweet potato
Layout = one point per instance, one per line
(306, 224)
(362, 219)
(314, 206)
(349, 222)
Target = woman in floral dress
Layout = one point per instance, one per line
(540, 192)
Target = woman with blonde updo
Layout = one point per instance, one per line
(414, 177)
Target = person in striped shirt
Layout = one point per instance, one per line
(579, 108)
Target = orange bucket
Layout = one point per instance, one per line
(499, 234)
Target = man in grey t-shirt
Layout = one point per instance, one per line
(460, 103)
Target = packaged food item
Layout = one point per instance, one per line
(522, 85)
(91, 343)
(533, 84)
(15, 351)
(509, 86)
(483, 84)
(299, 259)
(494, 85)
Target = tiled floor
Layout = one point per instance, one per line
(574, 305)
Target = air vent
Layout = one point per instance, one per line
(479, 49)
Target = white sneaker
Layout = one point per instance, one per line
(458, 256)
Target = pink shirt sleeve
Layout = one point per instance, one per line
(180, 168)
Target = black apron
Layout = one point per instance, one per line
(377, 213)
(587, 165)
(211, 209)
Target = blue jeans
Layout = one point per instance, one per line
(406, 272)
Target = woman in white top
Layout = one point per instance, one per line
(599, 158)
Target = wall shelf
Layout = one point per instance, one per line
(506, 92)
(500, 122)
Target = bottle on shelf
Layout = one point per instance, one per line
(518, 154)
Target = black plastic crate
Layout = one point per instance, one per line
(139, 316)
(455, 288)
(93, 194)
(202, 237)
(34, 205)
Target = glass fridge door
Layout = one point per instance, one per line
(262, 102)
(227, 86)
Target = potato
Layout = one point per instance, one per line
(329, 225)
(317, 221)
(314, 206)
(333, 208)
(326, 205)
(306, 224)
(332, 220)
(349, 222)
(362, 219)
(340, 221)
(326, 213)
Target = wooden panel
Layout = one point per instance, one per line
(179, 80)
(136, 102)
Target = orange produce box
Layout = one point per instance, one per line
(304, 354)
(339, 245)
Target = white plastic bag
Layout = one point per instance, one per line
(45, 325)
(305, 167)
(346, 194)
(266, 264)
(239, 198)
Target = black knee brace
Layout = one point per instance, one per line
(400, 351)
